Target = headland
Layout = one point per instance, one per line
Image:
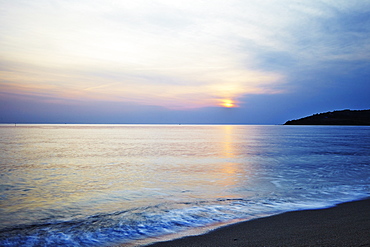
(344, 117)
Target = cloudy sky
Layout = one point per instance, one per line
(175, 61)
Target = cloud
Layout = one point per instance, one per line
(183, 47)
(179, 54)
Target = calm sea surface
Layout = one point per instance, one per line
(97, 185)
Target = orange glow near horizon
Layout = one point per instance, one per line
(228, 103)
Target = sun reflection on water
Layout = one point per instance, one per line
(233, 170)
(84, 170)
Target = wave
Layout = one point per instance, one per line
(151, 221)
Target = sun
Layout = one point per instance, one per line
(228, 103)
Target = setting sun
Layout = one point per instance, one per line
(227, 103)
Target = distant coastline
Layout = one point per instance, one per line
(344, 117)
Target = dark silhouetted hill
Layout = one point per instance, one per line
(344, 117)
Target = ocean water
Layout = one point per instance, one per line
(101, 185)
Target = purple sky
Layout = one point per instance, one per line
(165, 61)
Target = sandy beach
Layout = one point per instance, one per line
(346, 224)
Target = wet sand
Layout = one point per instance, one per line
(346, 224)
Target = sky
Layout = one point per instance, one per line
(177, 61)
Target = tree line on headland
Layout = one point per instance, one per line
(344, 117)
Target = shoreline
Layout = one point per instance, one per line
(346, 224)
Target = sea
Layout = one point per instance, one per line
(109, 185)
